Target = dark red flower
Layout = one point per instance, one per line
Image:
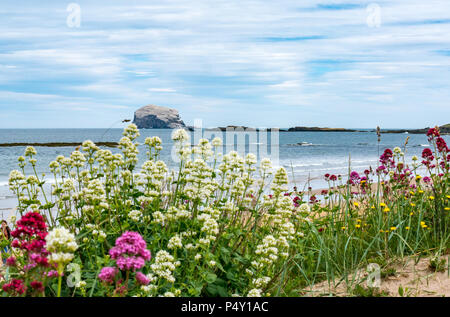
(427, 154)
(441, 145)
(37, 285)
(433, 132)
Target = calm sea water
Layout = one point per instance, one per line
(323, 152)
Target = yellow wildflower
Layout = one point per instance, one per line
(431, 197)
(393, 228)
(356, 204)
(407, 228)
(386, 209)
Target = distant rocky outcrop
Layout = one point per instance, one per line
(317, 129)
(444, 129)
(157, 117)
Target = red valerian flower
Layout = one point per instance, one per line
(11, 261)
(433, 132)
(441, 145)
(30, 232)
(15, 287)
(313, 199)
(427, 154)
(385, 158)
(37, 285)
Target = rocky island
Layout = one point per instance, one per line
(444, 129)
(157, 117)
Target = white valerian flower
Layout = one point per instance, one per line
(261, 282)
(135, 215)
(175, 242)
(216, 142)
(131, 132)
(164, 265)
(265, 165)
(80, 284)
(304, 208)
(30, 151)
(12, 219)
(89, 146)
(180, 135)
(280, 181)
(16, 180)
(61, 244)
(254, 293)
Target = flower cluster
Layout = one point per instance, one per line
(130, 251)
(61, 244)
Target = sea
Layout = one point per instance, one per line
(306, 156)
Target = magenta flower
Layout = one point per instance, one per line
(11, 261)
(107, 274)
(130, 251)
(142, 279)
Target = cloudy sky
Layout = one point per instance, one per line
(261, 63)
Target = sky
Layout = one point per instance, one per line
(259, 63)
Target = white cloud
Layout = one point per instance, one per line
(162, 90)
(230, 57)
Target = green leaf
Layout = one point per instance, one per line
(209, 277)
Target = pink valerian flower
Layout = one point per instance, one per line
(53, 273)
(132, 263)
(354, 178)
(426, 179)
(130, 251)
(142, 279)
(381, 169)
(107, 274)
